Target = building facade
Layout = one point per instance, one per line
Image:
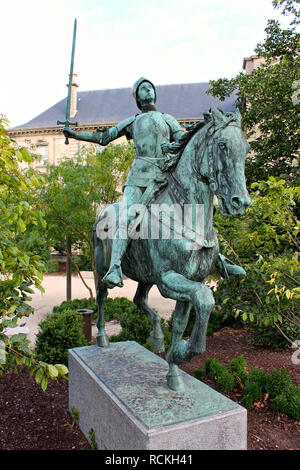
(105, 108)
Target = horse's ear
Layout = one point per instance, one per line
(217, 115)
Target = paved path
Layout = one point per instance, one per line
(55, 293)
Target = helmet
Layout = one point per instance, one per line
(136, 86)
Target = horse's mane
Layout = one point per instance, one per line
(176, 149)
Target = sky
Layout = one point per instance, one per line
(118, 41)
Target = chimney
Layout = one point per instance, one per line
(73, 104)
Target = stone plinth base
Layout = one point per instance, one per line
(121, 393)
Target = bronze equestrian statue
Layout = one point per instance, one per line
(173, 168)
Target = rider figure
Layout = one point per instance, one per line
(152, 132)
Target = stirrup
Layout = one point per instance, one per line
(227, 268)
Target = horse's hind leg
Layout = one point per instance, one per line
(156, 339)
(102, 338)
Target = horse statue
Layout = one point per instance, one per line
(211, 164)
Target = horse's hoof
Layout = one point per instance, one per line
(175, 382)
(157, 343)
(102, 341)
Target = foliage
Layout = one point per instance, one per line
(265, 242)
(277, 381)
(35, 242)
(268, 101)
(75, 304)
(288, 402)
(225, 382)
(115, 308)
(198, 373)
(58, 333)
(255, 386)
(20, 269)
(288, 7)
(92, 439)
(216, 371)
(75, 190)
(239, 370)
(135, 326)
(213, 368)
(51, 266)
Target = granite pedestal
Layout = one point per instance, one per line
(121, 393)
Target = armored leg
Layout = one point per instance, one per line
(113, 277)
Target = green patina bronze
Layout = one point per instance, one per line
(172, 168)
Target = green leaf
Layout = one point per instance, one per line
(39, 375)
(52, 371)
(44, 383)
(62, 369)
(21, 224)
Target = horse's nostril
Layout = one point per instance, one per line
(236, 201)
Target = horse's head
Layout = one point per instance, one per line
(223, 161)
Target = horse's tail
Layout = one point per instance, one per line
(103, 234)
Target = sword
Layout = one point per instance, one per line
(67, 122)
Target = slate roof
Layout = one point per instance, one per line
(182, 101)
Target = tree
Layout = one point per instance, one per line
(266, 243)
(76, 189)
(289, 7)
(269, 101)
(20, 270)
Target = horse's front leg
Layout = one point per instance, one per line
(180, 320)
(177, 287)
(157, 339)
(102, 338)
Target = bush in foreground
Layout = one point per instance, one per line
(58, 333)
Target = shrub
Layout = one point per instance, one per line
(214, 368)
(135, 326)
(225, 381)
(277, 382)
(238, 367)
(114, 308)
(288, 402)
(75, 304)
(58, 333)
(198, 373)
(269, 337)
(51, 266)
(247, 401)
(251, 392)
(284, 395)
(258, 376)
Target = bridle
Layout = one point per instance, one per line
(206, 146)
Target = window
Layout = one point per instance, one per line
(42, 150)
